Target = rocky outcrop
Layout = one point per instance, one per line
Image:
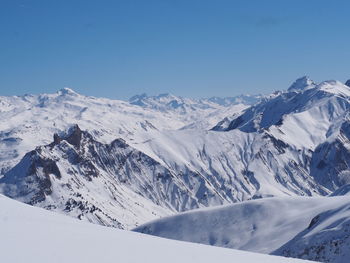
(347, 83)
(82, 177)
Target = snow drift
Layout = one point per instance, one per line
(30, 234)
(308, 228)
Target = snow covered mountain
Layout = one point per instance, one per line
(93, 174)
(294, 142)
(62, 239)
(31, 120)
(273, 148)
(302, 227)
(168, 102)
(291, 143)
(108, 184)
(310, 121)
(198, 113)
(326, 239)
(303, 102)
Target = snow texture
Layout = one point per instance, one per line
(302, 227)
(122, 164)
(154, 156)
(30, 234)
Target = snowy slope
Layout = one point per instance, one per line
(326, 239)
(117, 185)
(30, 234)
(106, 184)
(171, 103)
(310, 228)
(291, 143)
(197, 113)
(32, 119)
(117, 193)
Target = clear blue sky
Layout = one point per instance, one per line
(191, 48)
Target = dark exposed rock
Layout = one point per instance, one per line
(235, 123)
(328, 243)
(96, 170)
(56, 139)
(119, 143)
(330, 161)
(28, 173)
(74, 136)
(347, 83)
(314, 221)
(278, 144)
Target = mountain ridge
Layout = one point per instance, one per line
(106, 153)
(300, 227)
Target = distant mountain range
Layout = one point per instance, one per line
(169, 102)
(122, 164)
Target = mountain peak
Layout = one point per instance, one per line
(164, 100)
(72, 136)
(138, 97)
(67, 91)
(164, 95)
(347, 83)
(301, 84)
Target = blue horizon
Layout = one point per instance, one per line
(196, 49)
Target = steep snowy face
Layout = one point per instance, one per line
(302, 84)
(118, 185)
(194, 167)
(275, 150)
(331, 160)
(325, 239)
(326, 101)
(108, 184)
(262, 225)
(307, 228)
(236, 164)
(278, 147)
(313, 122)
(272, 148)
(30, 234)
(32, 119)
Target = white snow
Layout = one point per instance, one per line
(275, 148)
(31, 120)
(273, 152)
(261, 225)
(30, 234)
